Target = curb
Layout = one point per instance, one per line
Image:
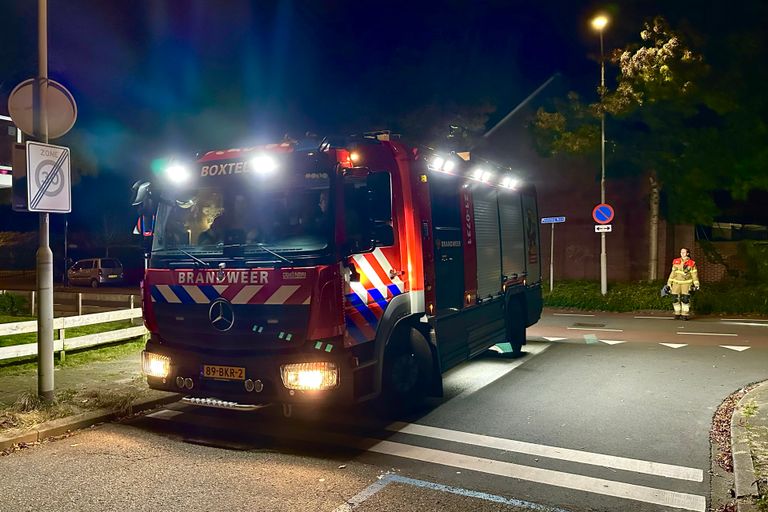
(79, 421)
(744, 475)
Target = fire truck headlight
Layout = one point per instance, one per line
(155, 365)
(263, 164)
(310, 376)
(177, 173)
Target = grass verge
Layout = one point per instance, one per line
(29, 410)
(716, 298)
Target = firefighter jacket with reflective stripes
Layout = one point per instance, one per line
(683, 272)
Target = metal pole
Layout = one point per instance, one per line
(65, 277)
(603, 255)
(44, 253)
(552, 259)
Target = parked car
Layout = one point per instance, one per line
(95, 272)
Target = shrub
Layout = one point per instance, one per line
(11, 304)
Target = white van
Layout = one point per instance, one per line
(95, 272)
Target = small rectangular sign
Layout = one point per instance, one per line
(602, 228)
(552, 220)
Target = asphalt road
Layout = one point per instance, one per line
(579, 424)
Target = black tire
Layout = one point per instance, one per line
(94, 283)
(516, 325)
(407, 371)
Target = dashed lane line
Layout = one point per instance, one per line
(655, 317)
(707, 334)
(593, 329)
(748, 324)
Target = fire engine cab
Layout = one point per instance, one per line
(333, 272)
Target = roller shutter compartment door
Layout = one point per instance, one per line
(487, 243)
(512, 233)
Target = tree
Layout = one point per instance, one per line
(659, 112)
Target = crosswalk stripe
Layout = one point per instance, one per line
(552, 452)
(561, 479)
(539, 475)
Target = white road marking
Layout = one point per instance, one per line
(750, 324)
(613, 342)
(544, 476)
(674, 345)
(656, 317)
(164, 414)
(552, 452)
(363, 495)
(743, 320)
(553, 339)
(561, 479)
(708, 333)
(386, 479)
(594, 329)
(737, 348)
(570, 314)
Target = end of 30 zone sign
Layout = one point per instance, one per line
(48, 178)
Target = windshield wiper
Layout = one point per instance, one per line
(273, 253)
(195, 258)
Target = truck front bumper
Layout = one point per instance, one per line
(259, 381)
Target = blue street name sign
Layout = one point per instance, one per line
(552, 220)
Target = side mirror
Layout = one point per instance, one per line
(141, 192)
(382, 234)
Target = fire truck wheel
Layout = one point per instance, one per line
(407, 370)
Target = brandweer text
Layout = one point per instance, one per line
(232, 277)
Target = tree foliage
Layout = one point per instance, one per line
(669, 115)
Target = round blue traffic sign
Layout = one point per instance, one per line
(602, 213)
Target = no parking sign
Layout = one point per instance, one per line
(603, 213)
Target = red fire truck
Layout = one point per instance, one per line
(333, 272)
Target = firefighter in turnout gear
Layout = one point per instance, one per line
(683, 281)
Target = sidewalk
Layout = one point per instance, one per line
(95, 392)
(749, 441)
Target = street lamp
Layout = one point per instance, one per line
(598, 23)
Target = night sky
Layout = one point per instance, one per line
(157, 78)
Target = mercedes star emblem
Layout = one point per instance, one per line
(221, 315)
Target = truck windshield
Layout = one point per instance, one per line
(287, 221)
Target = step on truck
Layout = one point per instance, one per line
(332, 273)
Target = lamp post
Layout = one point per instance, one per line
(599, 23)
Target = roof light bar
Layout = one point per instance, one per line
(263, 164)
